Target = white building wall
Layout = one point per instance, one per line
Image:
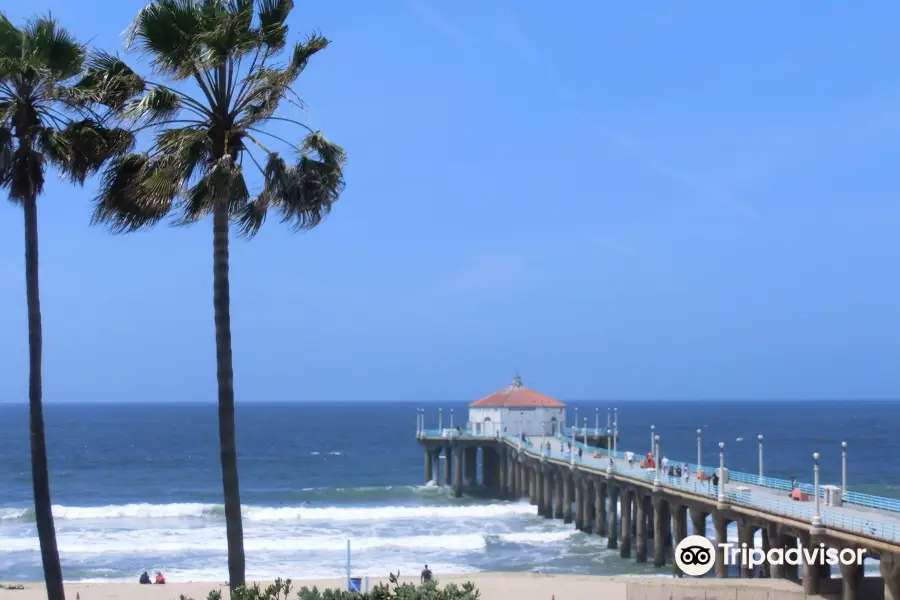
(534, 421)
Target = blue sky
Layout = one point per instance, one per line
(620, 200)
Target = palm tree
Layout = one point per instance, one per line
(221, 80)
(36, 127)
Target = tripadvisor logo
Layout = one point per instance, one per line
(695, 556)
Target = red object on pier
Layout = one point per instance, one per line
(799, 496)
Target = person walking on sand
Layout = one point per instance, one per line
(426, 574)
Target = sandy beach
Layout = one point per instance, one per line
(493, 586)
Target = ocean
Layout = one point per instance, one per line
(137, 487)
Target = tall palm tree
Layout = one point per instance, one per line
(222, 74)
(38, 125)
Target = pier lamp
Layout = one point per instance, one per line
(441, 419)
(760, 438)
(608, 419)
(656, 459)
(575, 424)
(420, 425)
(615, 439)
(596, 421)
(451, 418)
(699, 451)
(608, 466)
(816, 520)
(572, 448)
(585, 433)
(652, 427)
(843, 470)
(721, 497)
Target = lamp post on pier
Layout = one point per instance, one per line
(420, 420)
(451, 418)
(843, 470)
(519, 437)
(615, 437)
(656, 461)
(441, 419)
(652, 427)
(816, 520)
(609, 463)
(575, 424)
(596, 421)
(760, 438)
(585, 433)
(721, 497)
(608, 417)
(699, 451)
(572, 446)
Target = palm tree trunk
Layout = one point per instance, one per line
(234, 527)
(40, 476)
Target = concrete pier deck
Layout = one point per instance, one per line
(604, 495)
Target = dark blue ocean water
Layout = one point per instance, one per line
(138, 487)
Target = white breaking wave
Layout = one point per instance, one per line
(391, 513)
(284, 513)
(147, 543)
(537, 537)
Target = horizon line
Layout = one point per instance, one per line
(433, 402)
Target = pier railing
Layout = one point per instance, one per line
(838, 520)
(775, 483)
(733, 493)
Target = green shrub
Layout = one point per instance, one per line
(281, 589)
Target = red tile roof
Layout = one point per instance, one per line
(515, 396)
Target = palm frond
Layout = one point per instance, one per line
(50, 48)
(226, 32)
(7, 151)
(157, 104)
(10, 45)
(303, 51)
(89, 146)
(167, 31)
(107, 81)
(135, 193)
(272, 15)
(27, 174)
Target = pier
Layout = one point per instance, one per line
(587, 489)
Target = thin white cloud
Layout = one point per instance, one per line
(510, 33)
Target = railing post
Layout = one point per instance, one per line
(699, 452)
(572, 449)
(656, 474)
(722, 496)
(843, 471)
(615, 438)
(817, 517)
(760, 438)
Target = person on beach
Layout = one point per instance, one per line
(426, 574)
(160, 578)
(145, 578)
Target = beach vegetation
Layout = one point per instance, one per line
(221, 87)
(281, 590)
(42, 127)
